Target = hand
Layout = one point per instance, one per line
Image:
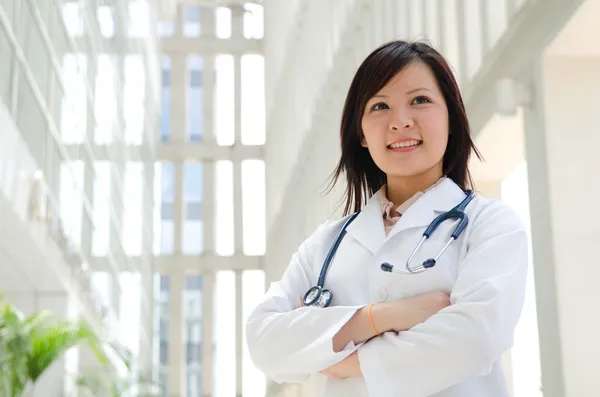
(347, 368)
(404, 314)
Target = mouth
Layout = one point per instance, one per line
(413, 143)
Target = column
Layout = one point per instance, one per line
(176, 352)
(562, 143)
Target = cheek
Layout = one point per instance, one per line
(435, 132)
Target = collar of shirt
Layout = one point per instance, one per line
(393, 214)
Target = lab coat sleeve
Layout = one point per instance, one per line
(464, 339)
(289, 345)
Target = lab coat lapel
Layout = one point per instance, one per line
(439, 199)
(368, 227)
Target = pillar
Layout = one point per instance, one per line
(562, 140)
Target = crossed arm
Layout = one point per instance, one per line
(460, 341)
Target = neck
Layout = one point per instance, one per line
(400, 189)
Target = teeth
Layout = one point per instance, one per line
(414, 142)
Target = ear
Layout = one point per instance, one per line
(363, 141)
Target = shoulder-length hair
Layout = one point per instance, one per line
(363, 177)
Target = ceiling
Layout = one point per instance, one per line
(580, 37)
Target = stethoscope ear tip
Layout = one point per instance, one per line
(386, 267)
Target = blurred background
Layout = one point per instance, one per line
(161, 160)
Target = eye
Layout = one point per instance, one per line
(420, 100)
(379, 106)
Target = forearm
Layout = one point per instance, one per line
(358, 329)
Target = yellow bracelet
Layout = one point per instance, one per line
(371, 320)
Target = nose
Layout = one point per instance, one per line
(401, 119)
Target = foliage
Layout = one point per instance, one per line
(29, 345)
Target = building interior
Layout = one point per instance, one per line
(161, 161)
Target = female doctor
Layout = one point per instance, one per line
(406, 144)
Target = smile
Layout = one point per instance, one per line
(405, 144)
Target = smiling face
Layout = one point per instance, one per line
(405, 125)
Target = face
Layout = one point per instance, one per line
(405, 124)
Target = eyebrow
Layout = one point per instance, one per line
(408, 92)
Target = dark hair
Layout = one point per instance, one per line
(363, 177)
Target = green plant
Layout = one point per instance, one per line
(29, 345)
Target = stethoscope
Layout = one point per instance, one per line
(318, 296)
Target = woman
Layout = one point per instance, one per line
(405, 146)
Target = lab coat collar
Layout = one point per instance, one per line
(368, 226)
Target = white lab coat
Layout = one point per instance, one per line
(455, 353)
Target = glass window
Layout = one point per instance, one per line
(223, 22)
(71, 204)
(167, 196)
(195, 97)
(74, 108)
(132, 210)
(138, 18)
(191, 26)
(253, 99)
(165, 29)
(193, 333)
(101, 211)
(253, 21)
(224, 333)
(73, 17)
(165, 121)
(133, 98)
(161, 327)
(253, 206)
(224, 106)
(224, 222)
(104, 104)
(253, 288)
(192, 233)
(106, 20)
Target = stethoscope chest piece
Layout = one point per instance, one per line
(317, 296)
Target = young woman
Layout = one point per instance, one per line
(435, 331)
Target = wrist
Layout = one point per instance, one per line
(389, 316)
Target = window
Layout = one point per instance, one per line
(195, 108)
(138, 19)
(253, 21)
(165, 121)
(101, 211)
(74, 108)
(133, 99)
(71, 204)
(73, 18)
(191, 26)
(224, 100)
(253, 206)
(104, 104)
(106, 20)
(165, 29)
(132, 210)
(224, 222)
(193, 333)
(161, 330)
(223, 22)
(253, 100)
(224, 333)
(193, 228)
(253, 288)
(166, 209)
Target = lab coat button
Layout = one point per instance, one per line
(382, 295)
